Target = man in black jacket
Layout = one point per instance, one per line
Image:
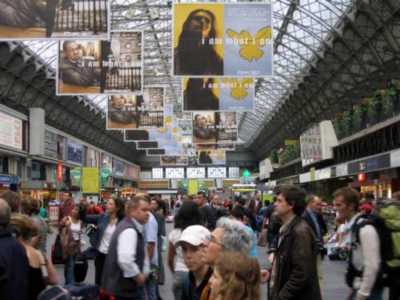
(208, 212)
(314, 218)
(294, 271)
(14, 265)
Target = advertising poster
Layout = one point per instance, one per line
(218, 94)
(173, 160)
(211, 157)
(74, 152)
(214, 127)
(90, 181)
(41, 19)
(101, 67)
(136, 111)
(10, 131)
(227, 39)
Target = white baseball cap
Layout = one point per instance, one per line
(195, 235)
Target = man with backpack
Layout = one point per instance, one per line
(363, 272)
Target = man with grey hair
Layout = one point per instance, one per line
(230, 235)
(14, 265)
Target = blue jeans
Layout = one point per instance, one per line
(376, 294)
(151, 290)
(69, 270)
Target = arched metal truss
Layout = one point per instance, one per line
(327, 54)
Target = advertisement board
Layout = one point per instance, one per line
(90, 181)
(10, 131)
(74, 152)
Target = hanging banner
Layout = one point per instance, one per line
(101, 67)
(173, 160)
(211, 157)
(33, 19)
(147, 145)
(230, 40)
(213, 94)
(90, 181)
(226, 147)
(193, 187)
(214, 127)
(136, 111)
(155, 152)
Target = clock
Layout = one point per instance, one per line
(175, 173)
(196, 172)
(157, 173)
(216, 172)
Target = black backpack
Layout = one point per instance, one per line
(387, 271)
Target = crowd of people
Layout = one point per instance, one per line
(212, 249)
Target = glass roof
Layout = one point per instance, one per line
(301, 28)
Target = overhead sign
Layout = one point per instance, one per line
(90, 181)
(370, 164)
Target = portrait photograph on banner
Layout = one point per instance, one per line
(79, 67)
(136, 111)
(101, 67)
(211, 157)
(218, 94)
(173, 160)
(47, 19)
(214, 127)
(227, 39)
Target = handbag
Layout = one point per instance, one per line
(57, 251)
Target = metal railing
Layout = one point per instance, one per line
(77, 16)
(152, 119)
(125, 78)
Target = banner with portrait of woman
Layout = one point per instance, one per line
(222, 39)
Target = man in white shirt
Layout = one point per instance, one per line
(127, 264)
(151, 238)
(363, 272)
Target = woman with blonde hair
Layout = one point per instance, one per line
(236, 277)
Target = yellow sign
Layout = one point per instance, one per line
(90, 181)
(193, 187)
(290, 142)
